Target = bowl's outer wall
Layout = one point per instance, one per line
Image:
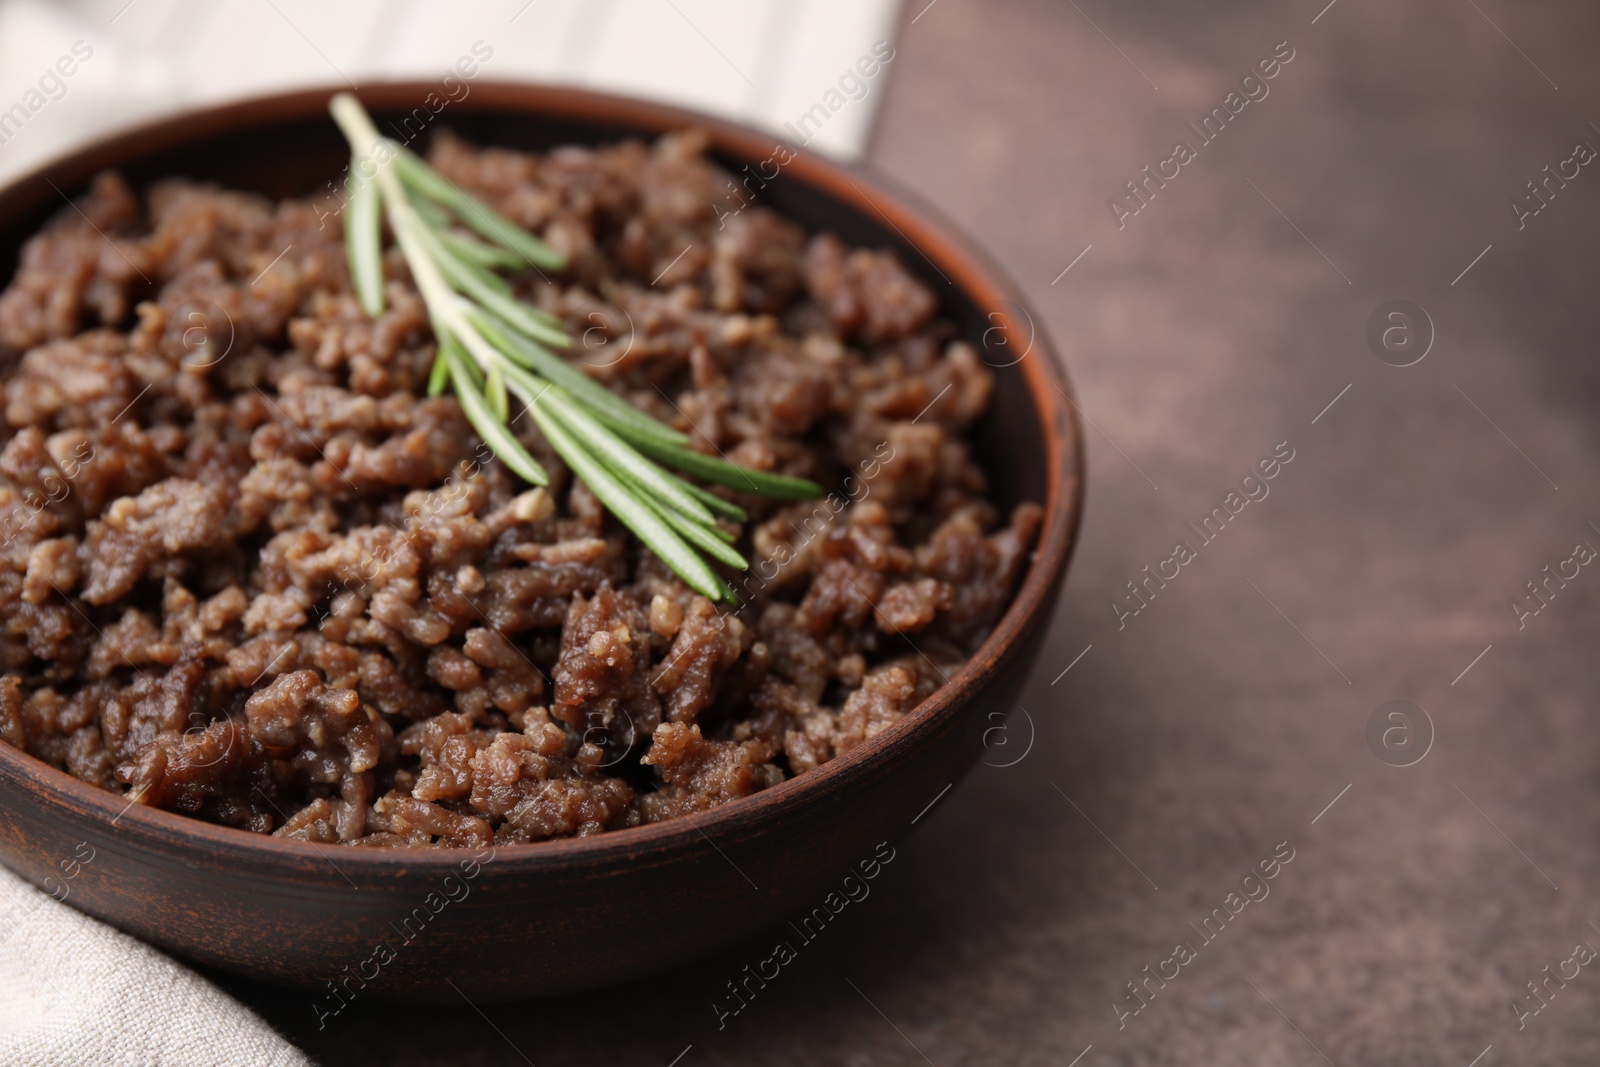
(571, 914)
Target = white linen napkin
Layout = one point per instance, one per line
(792, 67)
(76, 993)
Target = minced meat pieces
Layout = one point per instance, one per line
(183, 771)
(698, 774)
(251, 572)
(602, 680)
(533, 791)
(865, 293)
(13, 728)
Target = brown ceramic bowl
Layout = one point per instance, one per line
(568, 914)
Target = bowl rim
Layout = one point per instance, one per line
(952, 254)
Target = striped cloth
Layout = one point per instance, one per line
(761, 62)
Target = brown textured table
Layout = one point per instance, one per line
(1180, 750)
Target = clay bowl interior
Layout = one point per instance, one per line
(569, 914)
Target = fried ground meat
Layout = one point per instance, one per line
(250, 572)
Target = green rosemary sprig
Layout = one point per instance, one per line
(493, 346)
